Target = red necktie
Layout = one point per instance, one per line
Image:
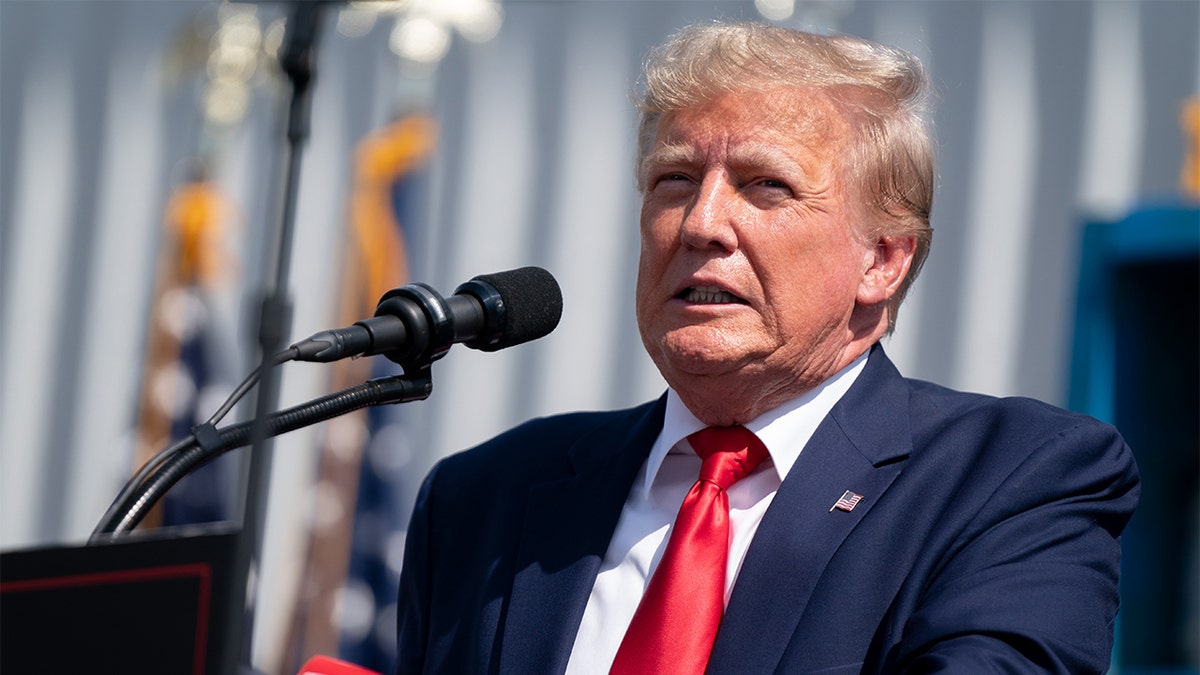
(676, 622)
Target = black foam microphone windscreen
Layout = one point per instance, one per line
(531, 306)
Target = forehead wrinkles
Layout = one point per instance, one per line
(804, 115)
(766, 128)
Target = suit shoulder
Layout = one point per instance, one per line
(1013, 426)
(1017, 412)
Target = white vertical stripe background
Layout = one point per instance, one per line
(1114, 122)
(43, 183)
(592, 232)
(1001, 197)
(128, 220)
(495, 192)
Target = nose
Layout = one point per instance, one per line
(709, 222)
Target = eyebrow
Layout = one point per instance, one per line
(755, 155)
(672, 153)
(763, 155)
(682, 153)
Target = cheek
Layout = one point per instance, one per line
(657, 245)
(653, 220)
(813, 277)
(645, 283)
(651, 266)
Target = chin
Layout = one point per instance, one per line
(696, 351)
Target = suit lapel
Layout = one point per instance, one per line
(568, 525)
(856, 448)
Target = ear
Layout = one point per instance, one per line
(885, 268)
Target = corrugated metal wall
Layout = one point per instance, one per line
(1048, 112)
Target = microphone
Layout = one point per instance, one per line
(414, 325)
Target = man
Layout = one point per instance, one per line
(875, 524)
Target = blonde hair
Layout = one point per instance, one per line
(883, 90)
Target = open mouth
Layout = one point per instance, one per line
(709, 295)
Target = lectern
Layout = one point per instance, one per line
(165, 602)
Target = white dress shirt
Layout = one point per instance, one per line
(666, 477)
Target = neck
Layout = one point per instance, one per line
(738, 398)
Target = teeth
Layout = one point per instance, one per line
(709, 295)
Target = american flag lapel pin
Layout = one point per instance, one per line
(847, 502)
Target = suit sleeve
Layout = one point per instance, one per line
(413, 607)
(1031, 584)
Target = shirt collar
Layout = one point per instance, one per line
(784, 430)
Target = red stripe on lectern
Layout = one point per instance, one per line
(202, 572)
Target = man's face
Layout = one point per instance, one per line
(750, 259)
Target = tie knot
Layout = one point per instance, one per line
(729, 453)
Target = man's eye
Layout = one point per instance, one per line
(773, 183)
(672, 178)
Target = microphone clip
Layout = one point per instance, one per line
(427, 324)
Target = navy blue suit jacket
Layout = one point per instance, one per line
(986, 541)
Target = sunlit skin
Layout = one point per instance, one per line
(756, 282)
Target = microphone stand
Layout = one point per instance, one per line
(298, 61)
